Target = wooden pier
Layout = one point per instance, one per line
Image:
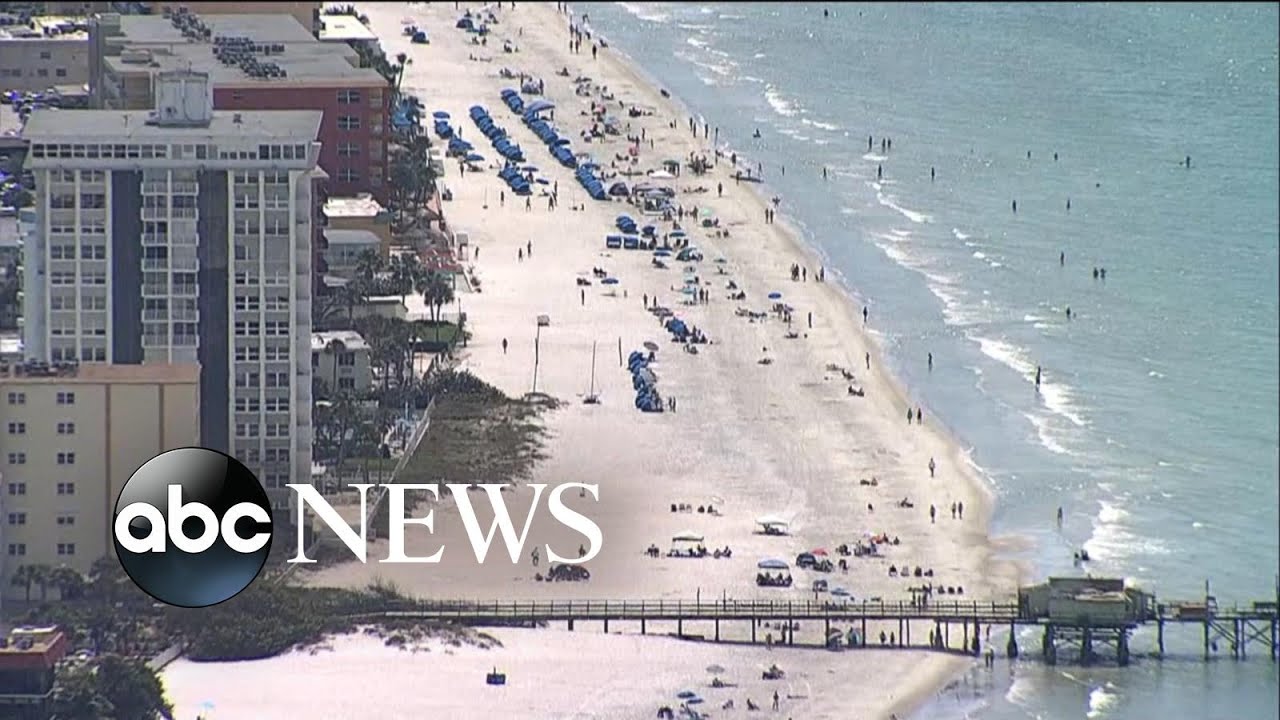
(1078, 616)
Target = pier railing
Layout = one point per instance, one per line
(540, 610)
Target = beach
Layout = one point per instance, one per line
(764, 423)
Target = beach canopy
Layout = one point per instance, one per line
(773, 564)
(686, 694)
(609, 281)
(687, 536)
(440, 115)
(715, 669)
(775, 296)
(651, 346)
(538, 106)
(475, 157)
(818, 552)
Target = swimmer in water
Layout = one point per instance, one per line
(756, 134)
(1015, 206)
(1068, 312)
(1037, 377)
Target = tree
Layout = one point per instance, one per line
(69, 583)
(24, 577)
(41, 575)
(436, 291)
(334, 349)
(109, 687)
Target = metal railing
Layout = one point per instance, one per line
(986, 611)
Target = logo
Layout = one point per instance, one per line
(192, 527)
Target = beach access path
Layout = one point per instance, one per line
(783, 438)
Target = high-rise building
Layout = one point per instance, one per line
(70, 437)
(183, 235)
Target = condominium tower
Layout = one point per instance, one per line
(183, 235)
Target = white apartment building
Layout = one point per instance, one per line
(183, 235)
(341, 359)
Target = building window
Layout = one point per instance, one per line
(17, 518)
(347, 150)
(17, 549)
(66, 458)
(66, 428)
(347, 175)
(17, 458)
(66, 548)
(347, 359)
(348, 122)
(17, 488)
(348, 97)
(66, 488)
(346, 383)
(66, 398)
(66, 519)
(17, 428)
(60, 72)
(17, 398)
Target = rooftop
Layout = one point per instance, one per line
(337, 236)
(363, 205)
(351, 339)
(341, 28)
(277, 39)
(131, 125)
(32, 648)
(100, 374)
(47, 28)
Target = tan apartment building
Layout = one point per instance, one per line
(46, 52)
(70, 437)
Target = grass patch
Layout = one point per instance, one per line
(477, 435)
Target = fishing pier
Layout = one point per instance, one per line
(1077, 616)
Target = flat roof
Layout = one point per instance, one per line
(32, 648)
(103, 374)
(337, 236)
(299, 54)
(130, 125)
(362, 205)
(350, 338)
(340, 28)
(48, 28)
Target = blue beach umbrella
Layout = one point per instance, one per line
(775, 296)
(662, 253)
(694, 700)
(609, 281)
(477, 157)
(440, 115)
(686, 694)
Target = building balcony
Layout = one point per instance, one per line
(155, 263)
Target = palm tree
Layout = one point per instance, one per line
(42, 575)
(402, 61)
(368, 265)
(334, 348)
(24, 577)
(436, 293)
(69, 583)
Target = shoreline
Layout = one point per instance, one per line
(507, 296)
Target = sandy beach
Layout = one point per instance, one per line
(784, 438)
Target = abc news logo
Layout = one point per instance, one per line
(193, 527)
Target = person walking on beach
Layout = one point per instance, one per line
(932, 467)
(504, 346)
(810, 321)
(919, 416)
(879, 172)
(933, 514)
(520, 254)
(529, 248)
(1059, 516)
(864, 314)
(720, 189)
(822, 273)
(909, 416)
(804, 274)
(959, 511)
(930, 362)
(584, 297)
(502, 198)
(824, 172)
(775, 700)
(1015, 207)
(528, 203)
(1037, 378)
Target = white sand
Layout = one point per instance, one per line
(752, 439)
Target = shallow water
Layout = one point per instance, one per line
(1156, 426)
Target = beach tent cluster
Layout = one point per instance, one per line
(496, 134)
(679, 330)
(442, 127)
(644, 382)
(519, 184)
(531, 114)
(472, 24)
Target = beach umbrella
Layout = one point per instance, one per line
(687, 536)
(694, 700)
(686, 694)
(440, 115)
(715, 669)
(819, 551)
(771, 520)
(840, 592)
(609, 281)
(529, 168)
(689, 290)
(477, 157)
(773, 564)
(651, 346)
(662, 253)
(775, 296)
(676, 234)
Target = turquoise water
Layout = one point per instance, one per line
(1156, 429)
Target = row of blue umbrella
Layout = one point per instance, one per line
(532, 115)
(591, 183)
(441, 124)
(644, 382)
(519, 183)
(496, 134)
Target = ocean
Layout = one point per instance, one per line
(1156, 425)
